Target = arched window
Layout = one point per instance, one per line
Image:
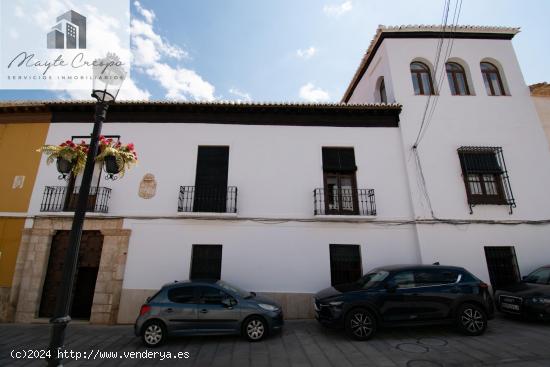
(421, 78)
(492, 79)
(382, 90)
(457, 79)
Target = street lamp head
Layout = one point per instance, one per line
(108, 74)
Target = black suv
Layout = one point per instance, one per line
(530, 298)
(407, 295)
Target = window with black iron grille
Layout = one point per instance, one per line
(502, 265)
(485, 176)
(345, 264)
(206, 262)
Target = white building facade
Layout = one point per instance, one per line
(498, 113)
(289, 199)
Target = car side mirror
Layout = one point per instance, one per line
(390, 286)
(228, 302)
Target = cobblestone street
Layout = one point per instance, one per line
(507, 342)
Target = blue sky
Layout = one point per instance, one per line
(286, 50)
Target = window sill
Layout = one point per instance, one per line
(488, 203)
(70, 214)
(344, 218)
(206, 215)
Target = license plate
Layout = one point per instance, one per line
(510, 307)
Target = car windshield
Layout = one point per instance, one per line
(372, 278)
(539, 276)
(234, 289)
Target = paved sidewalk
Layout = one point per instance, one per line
(507, 343)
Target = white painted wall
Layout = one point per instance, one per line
(266, 257)
(274, 168)
(508, 121)
(464, 245)
(478, 120)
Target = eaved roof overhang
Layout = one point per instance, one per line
(540, 89)
(249, 113)
(424, 31)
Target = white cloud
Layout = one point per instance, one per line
(311, 93)
(335, 10)
(180, 82)
(144, 31)
(130, 92)
(242, 96)
(150, 49)
(306, 53)
(149, 15)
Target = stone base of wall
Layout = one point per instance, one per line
(295, 305)
(7, 311)
(130, 303)
(32, 264)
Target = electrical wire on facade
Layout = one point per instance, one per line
(437, 56)
(378, 222)
(439, 78)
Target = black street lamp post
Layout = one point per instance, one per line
(107, 82)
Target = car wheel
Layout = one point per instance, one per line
(255, 329)
(471, 319)
(360, 324)
(154, 334)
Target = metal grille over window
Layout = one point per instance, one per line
(486, 177)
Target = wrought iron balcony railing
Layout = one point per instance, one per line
(59, 199)
(210, 199)
(340, 201)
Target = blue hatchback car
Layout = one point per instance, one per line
(206, 307)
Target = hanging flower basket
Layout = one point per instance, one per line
(64, 166)
(69, 156)
(111, 165)
(117, 157)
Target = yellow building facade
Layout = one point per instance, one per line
(23, 129)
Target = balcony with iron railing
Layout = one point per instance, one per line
(207, 199)
(341, 201)
(61, 199)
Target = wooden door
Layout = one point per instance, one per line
(86, 275)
